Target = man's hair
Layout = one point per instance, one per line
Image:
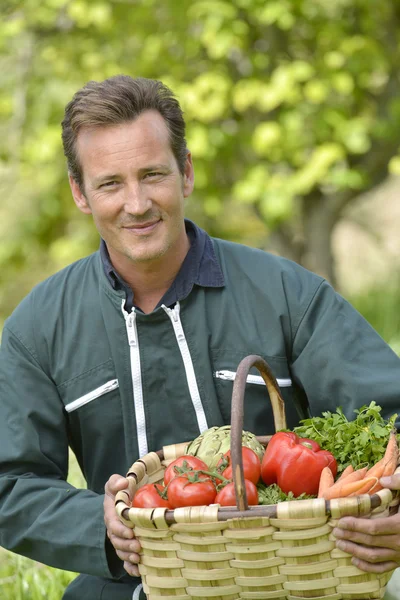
(118, 100)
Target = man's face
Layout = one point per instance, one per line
(134, 189)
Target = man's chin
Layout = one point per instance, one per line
(147, 256)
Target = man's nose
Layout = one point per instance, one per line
(137, 201)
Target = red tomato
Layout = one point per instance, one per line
(251, 465)
(191, 461)
(182, 492)
(148, 496)
(226, 496)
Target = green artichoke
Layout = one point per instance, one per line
(214, 442)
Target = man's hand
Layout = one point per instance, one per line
(374, 543)
(122, 537)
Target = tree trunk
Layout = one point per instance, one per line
(309, 241)
(318, 224)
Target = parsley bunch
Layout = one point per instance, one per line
(360, 442)
(272, 494)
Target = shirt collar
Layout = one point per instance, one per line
(200, 267)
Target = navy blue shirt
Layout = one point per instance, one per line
(200, 267)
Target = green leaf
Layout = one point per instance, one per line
(361, 441)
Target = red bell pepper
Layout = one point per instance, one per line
(295, 464)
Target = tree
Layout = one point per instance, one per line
(292, 108)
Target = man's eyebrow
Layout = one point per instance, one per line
(156, 167)
(117, 176)
(105, 177)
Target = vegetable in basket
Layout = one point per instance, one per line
(181, 465)
(187, 482)
(295, 464)
(151, 495)
(357, 442)
(227, 497)
(191, 489)
(211, 445)
(251, 465)
(361, 481)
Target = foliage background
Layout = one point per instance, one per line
(293, 113)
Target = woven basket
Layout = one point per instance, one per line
(284, 551)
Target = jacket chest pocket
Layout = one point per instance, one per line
(95, 419)
(258, 415)
(103, 389)
(91, 391)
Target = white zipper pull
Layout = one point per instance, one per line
(130, 328)
(130, 319)
(226, 375)
(111, 385)
(180, 335)
(173, 314)
(255, 379)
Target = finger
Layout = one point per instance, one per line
(374, 568)
(392, 482)
(125, 545)
(130, 557)
(115, 527)
(381, 541)
(131, 569)
(115, 484)
(382, 526)
(113, 522)
(367, 553)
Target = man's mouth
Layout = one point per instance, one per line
(142, 228)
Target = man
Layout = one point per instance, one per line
(136, 346)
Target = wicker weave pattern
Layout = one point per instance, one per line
(290, 557)
(286, 551)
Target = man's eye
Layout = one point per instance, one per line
(153, 174)
(108, 184)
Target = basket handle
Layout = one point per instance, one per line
(278, 409)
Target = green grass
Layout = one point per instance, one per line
(381, 307)
(24, 579)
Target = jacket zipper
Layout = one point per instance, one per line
(100, 391)
(136, 374)
(257, 379)
(173, 314)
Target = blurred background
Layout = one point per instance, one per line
(293, 120)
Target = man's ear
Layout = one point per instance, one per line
(79, 197)
(188, 176)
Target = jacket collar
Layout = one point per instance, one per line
(200, 267)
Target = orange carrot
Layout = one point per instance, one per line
(371, 485)
(384, 466)
(349, 469)
(356, 475)
(342, 483)
(390, 459)
(391, 455)
(326, 481)
(343, 489)
(375, 471)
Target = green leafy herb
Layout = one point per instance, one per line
(360, 442)
(272, 494)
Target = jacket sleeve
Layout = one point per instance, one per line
(41, 515)
(340, 360)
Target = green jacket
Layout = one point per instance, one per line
(76, 371)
